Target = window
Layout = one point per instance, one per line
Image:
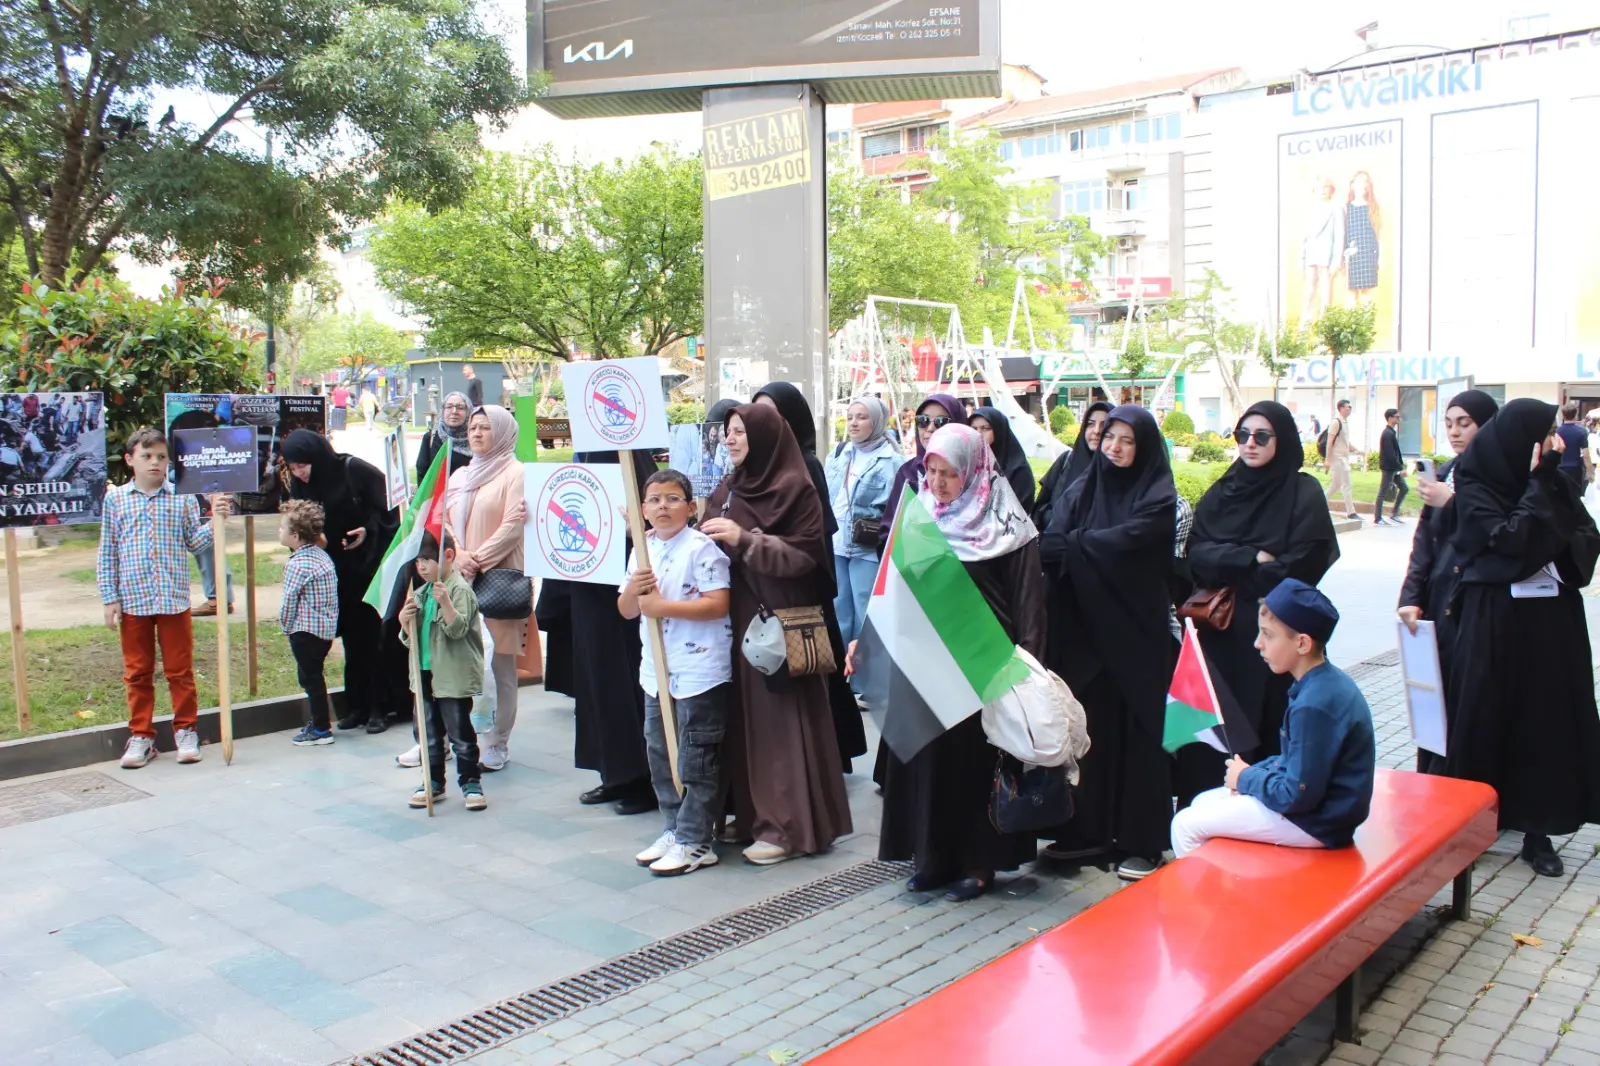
(1134, 197)
(1075, 141)
(874, 145)
(1008, 149)
(1102, 136)
(1126, 130)
(920, 138)
(1083, 197)
(1174, 127)
(1141, 131)
(1047, 144)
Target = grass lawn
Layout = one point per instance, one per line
(269, 570)
(75, 675)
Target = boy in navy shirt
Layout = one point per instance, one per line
(1319, 789)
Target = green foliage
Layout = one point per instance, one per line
(1015, 233)
(1193, 479)
(685, 414)
(1293, 344)
(1134, 362)
(1062, 416)
(1347, 330)
(1182, 440)
(367, 99)
(880, 244)
(1374, 461)
(1177, 423)
(96, 336)
(549, 255)
(353, 344)
(1205, 451)
(1069, 434)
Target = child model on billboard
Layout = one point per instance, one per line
(1361, 226)
(1322, 248)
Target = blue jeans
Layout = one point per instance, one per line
(207, 562)
(702, 721)
(855, 576)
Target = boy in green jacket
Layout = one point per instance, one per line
(450, 646)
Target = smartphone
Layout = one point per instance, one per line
(1425, 470)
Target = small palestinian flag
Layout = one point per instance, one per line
(1194, 714)
(392, 583)
(932, 652)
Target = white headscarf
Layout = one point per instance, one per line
(878, 414)
(465, 482)
(987, 520)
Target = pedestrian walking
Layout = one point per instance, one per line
(309, 612)
(1575, 461)
(1391, 468)
(1340, 449)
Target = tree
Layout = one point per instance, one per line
(880, 242)
(1015, 232)
(366, 98)
(552, 256)
(352, 344)
(297, 308)
(1293, 344)
(96, 336)
(1345, 331)
(1134, 363)
(1217, 338)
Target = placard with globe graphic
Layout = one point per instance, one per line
(576, 530)
(616, 404)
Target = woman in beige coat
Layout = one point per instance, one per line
(484, 510)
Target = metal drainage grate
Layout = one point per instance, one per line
(37, 800)
(1375, 665)
(522, 1014)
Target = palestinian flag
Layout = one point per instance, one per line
(392, 583)
(1193, 711)
(931, 653)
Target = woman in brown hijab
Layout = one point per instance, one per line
(788, 784)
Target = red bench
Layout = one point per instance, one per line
(1211, 959)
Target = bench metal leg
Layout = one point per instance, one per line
(1347, 1009)
(1461, 896)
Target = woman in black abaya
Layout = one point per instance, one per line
(609, 704)
(1263, 520)
(1522, 678)
(847, 726)
(936, 806)
(1432, 573)
(1071, 464)
(1109, 551)
(1009, 457)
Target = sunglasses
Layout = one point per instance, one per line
(936, 421)
(1263, 436)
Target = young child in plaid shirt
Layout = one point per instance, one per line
(309, 616)
(147, 533)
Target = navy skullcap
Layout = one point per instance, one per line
(1303, 609)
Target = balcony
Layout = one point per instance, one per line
(885, 165)
(1125, 162)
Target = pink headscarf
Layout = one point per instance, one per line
(987, 520)
(465, 482)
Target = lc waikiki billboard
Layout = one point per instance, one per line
(1454, 197)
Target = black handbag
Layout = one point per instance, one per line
(504, 594)
(1029, 801)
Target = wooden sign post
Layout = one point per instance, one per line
(658, 646)
(418, 712)
(219, 548)
(251, 659)
(19, 649)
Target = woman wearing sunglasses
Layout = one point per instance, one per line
(1264, 520)
(939, 410)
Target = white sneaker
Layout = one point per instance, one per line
(188, 745)
(683, 859)
(765, 853)
(664, 843)
(411, 758)
(494, 757)
(139, 752)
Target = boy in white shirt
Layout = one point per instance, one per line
(687, 587)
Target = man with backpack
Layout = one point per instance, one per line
(1335, 447)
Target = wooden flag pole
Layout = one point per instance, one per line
(658, 646)
(251, 658)
(19, 650)
(418, 714)
(219, 549)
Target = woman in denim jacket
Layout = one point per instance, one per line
(860, 472)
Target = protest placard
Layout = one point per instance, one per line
(575, 530)
(271, 417)
(52, 458)
(616, 404)
(205, 461)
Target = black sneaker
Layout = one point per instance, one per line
(352, 721)
(1136, 869)
(309, 737)
(377, 724)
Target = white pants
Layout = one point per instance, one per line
(1221, 812)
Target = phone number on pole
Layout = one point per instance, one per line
(789, 170)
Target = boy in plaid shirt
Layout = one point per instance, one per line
(309, 616)
(147, 533)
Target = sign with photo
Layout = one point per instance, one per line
(699, 452)
(616, 404)
(52, 458)
(394, 467)
(215, 460)
(271, 417)
(575, 529)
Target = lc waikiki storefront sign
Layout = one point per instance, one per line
(1390, 91)
(1391, 368)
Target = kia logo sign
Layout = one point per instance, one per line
(595, 52)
